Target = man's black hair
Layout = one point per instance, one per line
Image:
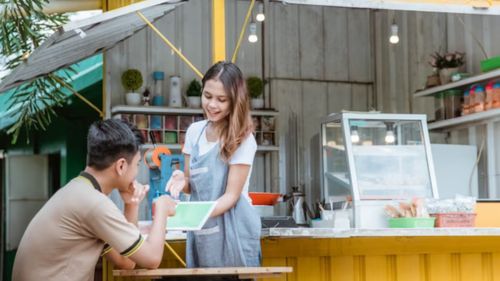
(109, 140)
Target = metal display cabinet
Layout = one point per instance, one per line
(372, 159)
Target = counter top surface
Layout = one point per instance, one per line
(351, 233)
(387, 232)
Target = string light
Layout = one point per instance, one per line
(252, 38)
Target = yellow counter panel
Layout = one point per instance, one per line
(407, 254)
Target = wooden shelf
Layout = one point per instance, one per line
(461, 83)
(116, 111)
(127, 109)
(177, 147)
(464, 120)
(241, 272)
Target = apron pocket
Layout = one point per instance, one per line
(208, 245)
(197, 171)
(251, 251)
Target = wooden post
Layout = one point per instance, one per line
(218, 31)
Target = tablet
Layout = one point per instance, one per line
(190, 215)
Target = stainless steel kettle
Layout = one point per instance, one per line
(297, 205)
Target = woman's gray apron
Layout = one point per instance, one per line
(231, 239)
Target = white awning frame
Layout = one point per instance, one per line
(482, 7)
(78, 40)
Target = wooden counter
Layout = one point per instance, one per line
(375, 254)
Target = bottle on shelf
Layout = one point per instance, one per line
(175, 99)
(488, 101)
(466, 103)
(453, 103)
(472, 99)
(479, 98)
(496, 95)
(439, 106)
(157, 99)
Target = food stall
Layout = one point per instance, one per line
(356, 177)
(371, 160)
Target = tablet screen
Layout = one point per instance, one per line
(190, 215)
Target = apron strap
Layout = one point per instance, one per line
(201, 133)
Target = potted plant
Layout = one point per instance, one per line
(447, 64)
(193, 94)
(132, 81)
(255, 87)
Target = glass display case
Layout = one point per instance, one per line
(370, 159)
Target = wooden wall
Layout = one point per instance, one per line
(402, 69)
(316, 60)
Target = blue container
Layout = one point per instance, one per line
(157, 100)
(158, 75)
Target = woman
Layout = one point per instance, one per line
(219, 153)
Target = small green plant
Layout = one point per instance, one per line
(255, 86)
(132, 80)
(194, 89)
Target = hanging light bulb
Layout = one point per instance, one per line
(354, 134)
(389, 135)
(394, 38)
(260, 12)
(252, 38)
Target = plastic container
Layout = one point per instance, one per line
(488, 101)
(439, 112)
(411, 222)
(479, 98)
(264, 198)
(157, 99)
(466, 103)
(455, 219)
(490, 64)
(472, 99)
(453, 103)
(496, 95)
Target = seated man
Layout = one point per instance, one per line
(66, 237)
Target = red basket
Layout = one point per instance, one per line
(264, 198)
(455, 219)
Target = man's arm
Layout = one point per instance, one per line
(132, 199)
(119, 261)
(150, 254)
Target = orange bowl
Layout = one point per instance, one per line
(264, 198)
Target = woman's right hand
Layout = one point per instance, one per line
(176, 183)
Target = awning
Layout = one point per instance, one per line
(87, 73)
(78, 40)
(483, 7)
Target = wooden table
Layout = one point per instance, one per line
(241, 272)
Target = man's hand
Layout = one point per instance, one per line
(165, 204)
(135, 193)
(176, 183)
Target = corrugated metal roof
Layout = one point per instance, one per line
(79, 40)
(87, 73)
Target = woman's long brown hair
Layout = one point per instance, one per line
(238, 124)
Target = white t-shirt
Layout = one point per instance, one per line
(243, 155)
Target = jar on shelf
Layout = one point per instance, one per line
(479, 98)
(453, 103)
(439, 112)
(496, 95)
(488, 101)
(472, 99)
(466, 103)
